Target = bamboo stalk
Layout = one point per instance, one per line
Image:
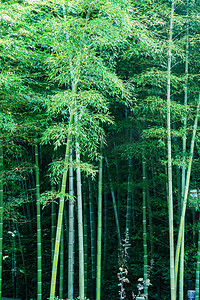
(53, 228)
(92, 238)
(145, 229)
(128, 215)
(181, 227)
(198, 264)
(181, 279)
(61, 265)
(85, 237)
(170, 193)
(151, 229)
(80, 223)
(39, 238)
(115, 210)
(99, 231)
(71, 231)
(1, 212)
(62, 200)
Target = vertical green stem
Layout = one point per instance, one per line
(99, 232)
(105, 235)
(170, 193)
(128, 213)
(92, 235)
(145, 229)
(39, 238)
(61, 265)
(61, 204)
(53, 227)
(115, 210)
(181, 280)
(151, 229)
(1, 211)
(85, 209)
(80, 223)
(71, 231)
(198, 265)
(182, 221)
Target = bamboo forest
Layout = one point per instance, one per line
(99, 149)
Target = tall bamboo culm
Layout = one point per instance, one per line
(39, 236)
(92, 238)
(61, 280)
(80, 223)
(170, 193)
(71, 230)
(128, 214)
(85, 238)
(115, 210)
(145, 229)
(181, 278)
(53, 225)
(62, 200)
(198, 264)
(1, 212)
(99, 231)
(182, 221)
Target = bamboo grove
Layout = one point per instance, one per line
(99, 149)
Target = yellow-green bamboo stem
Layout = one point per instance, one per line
(99, 232)
(185, 104)
(1, 212)
(181, 278)
(39, 238)
(71, 231)
(53, 225)
(61, 265)
(62, 201)
(145, 230)
(170, 193)
(180, 233)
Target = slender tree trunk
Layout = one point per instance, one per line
(182, 221)
(181, 280)
(99, 232)
(85, 209)
(151, 230)
(115, 209)
(80, 223)
(1, 212)
(128, 214)
(105, 237)
(65, 225)
(93, 248)
(198, 264)
(39, 238)
(145, 229)
(61, 204)
(61, 265)
(53, 227)
(71, 231)
(170, 193)
(23, 261)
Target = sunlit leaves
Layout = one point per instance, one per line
(56, 169)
